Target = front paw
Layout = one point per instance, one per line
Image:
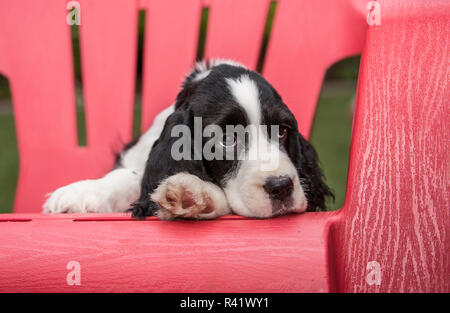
(187, 196)
(85, 196)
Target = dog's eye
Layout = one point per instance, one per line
(282, 133)
(229, 141)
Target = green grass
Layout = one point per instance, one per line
(330, 136)
(8, 163)
(4, 88)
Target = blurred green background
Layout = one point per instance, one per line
(330, 134)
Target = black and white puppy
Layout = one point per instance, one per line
(256, 173)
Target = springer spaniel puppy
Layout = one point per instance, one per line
(226, 161)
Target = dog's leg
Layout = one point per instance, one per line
(186, 196)
(115, 191)
(112, 193)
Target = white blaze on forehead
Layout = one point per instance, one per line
(246, 93)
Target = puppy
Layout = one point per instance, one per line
(228, 145)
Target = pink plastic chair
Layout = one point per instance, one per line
(392, 235)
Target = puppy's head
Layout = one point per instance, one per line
(249, 145)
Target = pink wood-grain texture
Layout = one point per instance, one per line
(280, 255)
(397, 209)
(397, 206)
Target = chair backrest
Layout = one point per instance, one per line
(36, 56)
(392, 235)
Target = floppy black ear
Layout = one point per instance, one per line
(162, 164)
(311, 175)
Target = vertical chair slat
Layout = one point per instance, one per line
(36, 46)
(40, 70)
(306, 38)
(170, 46)
(235, 30)
(108, 56)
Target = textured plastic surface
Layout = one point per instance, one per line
(397, 205)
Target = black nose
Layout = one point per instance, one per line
(279, 188)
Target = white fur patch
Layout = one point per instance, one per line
(201, 75)
(217, 62)
(246, 195)
(136, 157)
(204, 68)
(112, 193)
(246, 93)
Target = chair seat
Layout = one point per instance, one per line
(119, 254)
